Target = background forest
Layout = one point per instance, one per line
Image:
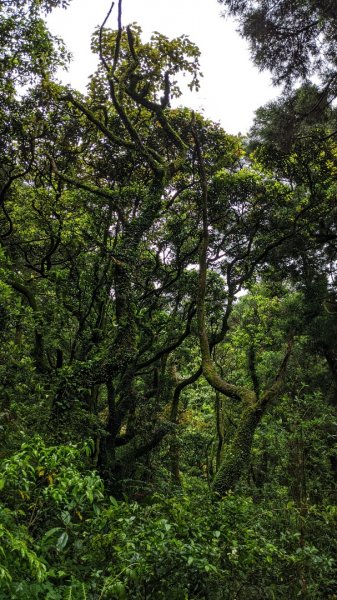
(168, 318)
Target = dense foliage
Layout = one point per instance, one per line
(293, 38)
(168, 358)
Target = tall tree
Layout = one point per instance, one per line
(124, 200)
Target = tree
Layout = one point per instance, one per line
(132, 173)
(29, 53)
(298, 146)
(294, 40)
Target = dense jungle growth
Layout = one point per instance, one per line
(168, 318)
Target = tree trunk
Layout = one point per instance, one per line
(219, 429)
(237, 454)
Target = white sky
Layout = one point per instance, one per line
(231, 89)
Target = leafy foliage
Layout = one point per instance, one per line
(303, 36)
(168, 367)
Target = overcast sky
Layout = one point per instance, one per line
(231, 89)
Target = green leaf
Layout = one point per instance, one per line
(50, 533)
(62, 541)
(66, 518)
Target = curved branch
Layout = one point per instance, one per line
(209, 371)
(91, 117)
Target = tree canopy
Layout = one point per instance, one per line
(293, 39)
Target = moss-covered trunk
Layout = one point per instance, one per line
(237, 454)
